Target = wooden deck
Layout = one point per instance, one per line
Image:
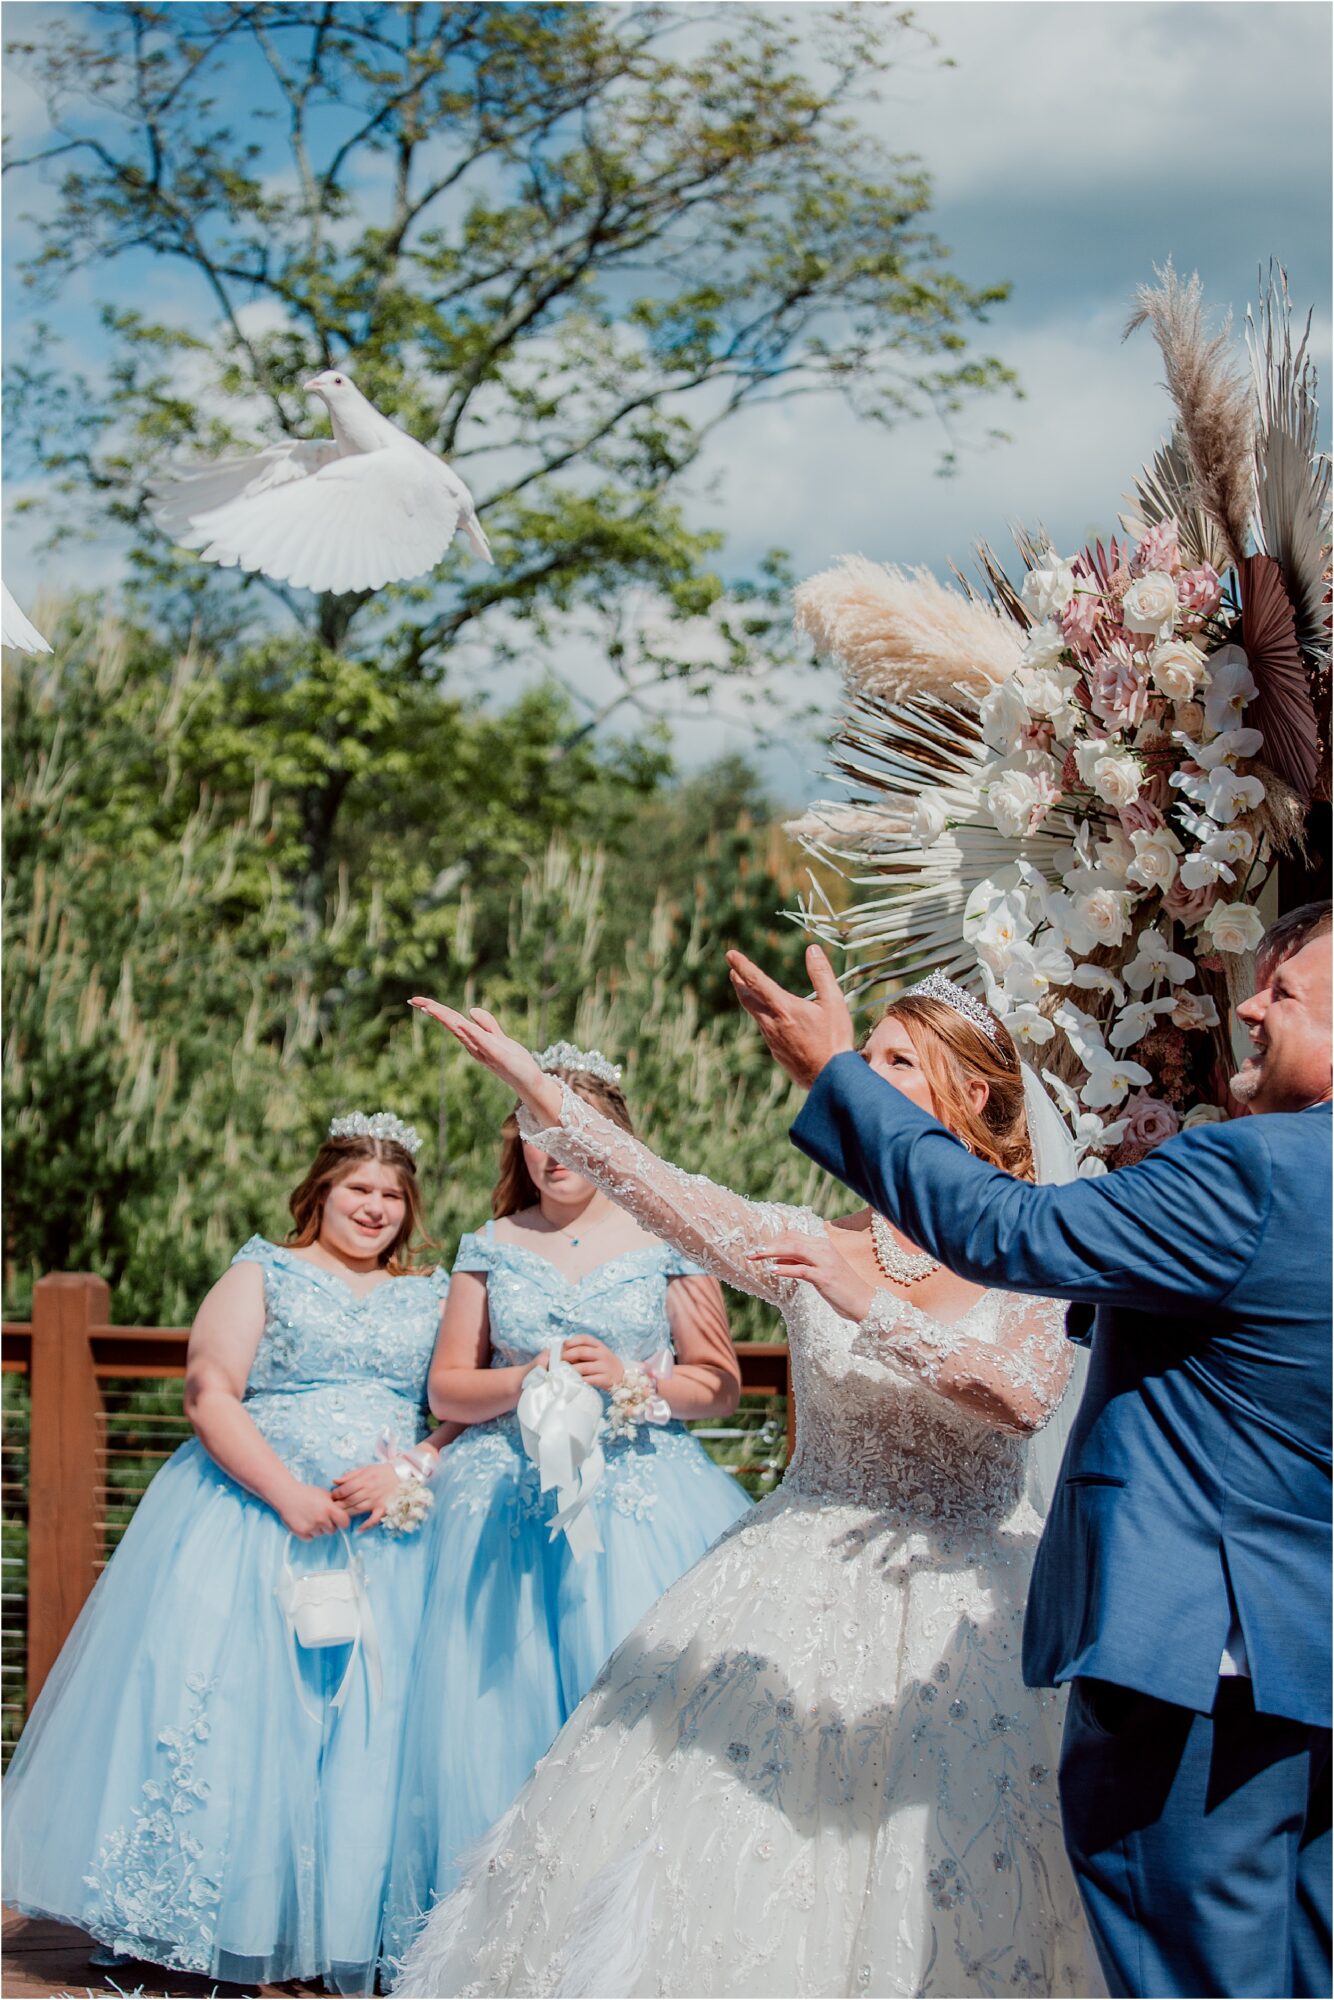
(42, 1958)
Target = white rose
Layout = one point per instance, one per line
(1203, 1114)
(1176, 669)
(1155, 862)
(1233, 927)
(1049, 691)
(1012, 799)
(929, 819)
(1150, 605)
(1189, 719)
(1049, 588)
(1043, 647)
(1004, 717)
(1107, 914)
(1114, 775)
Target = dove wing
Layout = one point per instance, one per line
(357, 523)
(180, 495)
(16, 630)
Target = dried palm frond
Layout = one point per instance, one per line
(906, 918)
(902, 633)
(1164, 491)
(1216, 430)
(1292, 476)
(1280, 820)
(1282, 708)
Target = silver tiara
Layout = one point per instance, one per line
(587, 1062)
(937, 987)
(378, 1125)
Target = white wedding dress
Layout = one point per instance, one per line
(813, 1768)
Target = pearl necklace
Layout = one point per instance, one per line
(902, 1267)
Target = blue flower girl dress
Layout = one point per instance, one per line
(515, 1630)
(186, 1789)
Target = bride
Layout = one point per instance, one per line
(813, 1767)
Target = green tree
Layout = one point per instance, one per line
(563, 245)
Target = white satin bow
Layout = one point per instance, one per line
(560, 1416)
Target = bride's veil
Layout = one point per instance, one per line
(1056, 1159)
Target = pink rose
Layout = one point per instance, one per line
(1148, 1122)
(1118, 692)
(1141, 817)
(1158, 550)
(1199, 593)
(1190, 906)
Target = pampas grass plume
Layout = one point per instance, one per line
(900, 633)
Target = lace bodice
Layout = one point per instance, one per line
(332, 1370)
(876, 1422)
(530, 1303)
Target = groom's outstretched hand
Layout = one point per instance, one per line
(803, 1035)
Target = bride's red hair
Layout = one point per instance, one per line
(953, 1052)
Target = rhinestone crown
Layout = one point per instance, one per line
(376, 1125)
(937, 987)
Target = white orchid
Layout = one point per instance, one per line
(1028, 1027)
(1229, 688)
(1229, 748)
(1227, 794)
(1004, 923)
(1214, 859)
(1110, 1079)
(1090, 1167)
(1155, 960)
(1031, 970)
(1136, 1021)
(1082, 1032)
(1097, 979)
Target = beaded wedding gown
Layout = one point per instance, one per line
(813, 1767)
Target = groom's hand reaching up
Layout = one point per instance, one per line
(803, 1035)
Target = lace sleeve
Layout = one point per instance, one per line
(1014, 1380)
(713, 1226)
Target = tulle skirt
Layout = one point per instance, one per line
(515, 1631)
(185, 1789)
(813, 1769)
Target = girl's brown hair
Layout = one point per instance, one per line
(952, 1053)
(336, 1159)
(514, 1187)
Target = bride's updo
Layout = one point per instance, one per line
(952, 1051)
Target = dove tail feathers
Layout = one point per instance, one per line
(471, 529)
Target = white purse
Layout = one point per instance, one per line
(329, 1607)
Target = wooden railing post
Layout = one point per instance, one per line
(64, 1462)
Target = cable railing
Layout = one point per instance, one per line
(92, 1410)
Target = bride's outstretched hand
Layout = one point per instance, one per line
(814, 1260)
(487, 1043)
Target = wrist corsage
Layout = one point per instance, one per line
(637, 1398)
(414, 1498)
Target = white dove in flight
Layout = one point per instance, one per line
(367, 507)
(16, 630)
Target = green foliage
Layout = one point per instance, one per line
(183, 1019)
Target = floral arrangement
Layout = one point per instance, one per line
(1080, 820)
(408, 1508)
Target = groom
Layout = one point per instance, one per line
(1183, 1583)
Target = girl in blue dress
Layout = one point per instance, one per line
(195, 1786)
(517, 1624)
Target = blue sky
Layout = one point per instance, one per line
(1073, 145)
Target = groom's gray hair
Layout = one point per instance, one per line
(1288, 933)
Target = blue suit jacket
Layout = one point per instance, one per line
(1197, 1474)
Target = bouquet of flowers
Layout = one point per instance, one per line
(1071, 793)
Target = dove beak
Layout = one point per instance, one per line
(314, 383)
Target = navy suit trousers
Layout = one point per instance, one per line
(1201, 1843)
